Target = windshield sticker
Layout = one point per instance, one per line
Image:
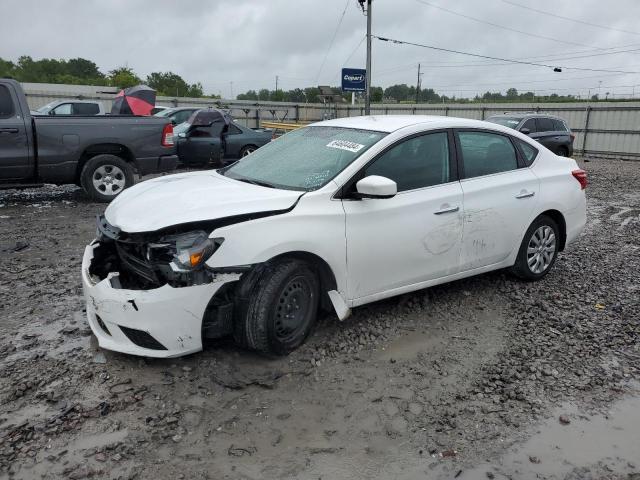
(317, 179)
(345, 145)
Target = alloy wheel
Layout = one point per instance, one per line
(109, 180)
(541, 249)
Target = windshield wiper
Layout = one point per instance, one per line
(255, 182)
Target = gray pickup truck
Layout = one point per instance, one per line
(99, 153)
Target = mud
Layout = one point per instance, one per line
(465, 380)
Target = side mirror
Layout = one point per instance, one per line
(375, 186)
(526, 131)
(52, 112)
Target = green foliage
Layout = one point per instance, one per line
(123, 77)
(80, 71)
(172, 84)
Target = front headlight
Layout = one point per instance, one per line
(186, 251)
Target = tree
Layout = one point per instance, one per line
(376, 94)
(512, 94)
(264, 94)
(172, 84)
(123, 77)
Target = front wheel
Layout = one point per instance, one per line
(281, 309)
(248, 150)
(539, 249)
(105, 176)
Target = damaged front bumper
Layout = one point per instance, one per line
(158, 322)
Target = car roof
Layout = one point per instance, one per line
(523, 115)
(391, 123)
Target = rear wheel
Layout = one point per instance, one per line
(539, 249)
(105, 176)
(281, 309)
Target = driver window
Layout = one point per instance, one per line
(415, 163)
(530, 124)
(64, 109)
(200, 132)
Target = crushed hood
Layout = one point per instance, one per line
(191, 197)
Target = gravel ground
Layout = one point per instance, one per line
(447, 382)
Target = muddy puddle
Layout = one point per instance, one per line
(584, 448)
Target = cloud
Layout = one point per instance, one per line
(249, 42)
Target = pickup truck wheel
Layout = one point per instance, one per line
(105, 176)
(282, 309)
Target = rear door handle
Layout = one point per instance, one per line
(8, 130)
(446, 210)
(525, 194)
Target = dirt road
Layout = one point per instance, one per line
(449, 382)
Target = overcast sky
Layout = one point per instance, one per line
(249, 42)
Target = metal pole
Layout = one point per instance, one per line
(353, 98)
(367, 98)
(276, 83)
(418, 85)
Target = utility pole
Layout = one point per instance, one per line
(367, 98)
(276, 83)
(418, 86)
(231, 90)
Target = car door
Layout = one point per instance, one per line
(499, 194)
(235, 139)
(414, 236)
(16, 159)
(201, 146)
(545, 133)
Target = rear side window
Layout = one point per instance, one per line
(545, 124)
(415, 163)
(530, 124)
(485, 153)
(559, 126)
(86, 109)
(6, 104)
(528, 152)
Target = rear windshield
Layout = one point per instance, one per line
(511, 122)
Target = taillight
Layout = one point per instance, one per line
(167, 135)
(581, 176)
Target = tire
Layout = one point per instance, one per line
(247, 150)
(281, 309)
(104, 176)
(532, 263)
(563, 152)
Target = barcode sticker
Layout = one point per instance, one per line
(345, 145)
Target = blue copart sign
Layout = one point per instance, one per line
(354, 80)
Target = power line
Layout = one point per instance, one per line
(508, 60)
(569, 19)
(412, 65)
(335, 33)
(452, 12)
(351, 55)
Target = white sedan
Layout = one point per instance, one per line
(334, 215)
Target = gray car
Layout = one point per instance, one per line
(211, 145)
(550, 131)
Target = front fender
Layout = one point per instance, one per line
(316, 225)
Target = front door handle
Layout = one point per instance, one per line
(525, 194)
(446, 209)
(8, 130)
